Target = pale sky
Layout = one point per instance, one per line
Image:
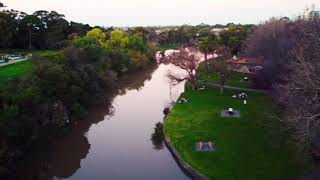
(165, 12)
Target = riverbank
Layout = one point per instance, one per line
(46, 95)
(249, 147)
(94, 144)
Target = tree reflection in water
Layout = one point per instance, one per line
(135, 81)
(168, 108)
(63, 157)
(157, 137)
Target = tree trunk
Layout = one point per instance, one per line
(221, 88)
(194, 85)
(222, 81)
(206, 62)
(30, 40)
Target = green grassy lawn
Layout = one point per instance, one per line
(233, 80)
(248, 148)
(167, 47)
(21, 68)
(14, 70)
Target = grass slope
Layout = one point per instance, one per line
(14, 70)
(233, 80)
(246, 149)
(17, 70)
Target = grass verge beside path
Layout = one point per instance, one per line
(19, 69)
(251, 147)
(233, 80)
(14, 70)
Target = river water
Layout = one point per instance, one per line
(115, 141)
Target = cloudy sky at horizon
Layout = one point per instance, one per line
(165, 12)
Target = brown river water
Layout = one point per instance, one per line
(114, 142)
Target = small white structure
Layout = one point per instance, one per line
(243, 95)
(230, 111)
(205, 146)
(183, 101)
(234, 58)
(311, 13)
(217, 31)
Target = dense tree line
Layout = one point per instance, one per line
(40, 30)
(50, 30)
(272, 42)
(230, 35)
(290, 51)
(62, 84)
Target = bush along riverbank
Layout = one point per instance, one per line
(39, 105)
(251, 146)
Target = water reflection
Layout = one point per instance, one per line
(114, 141)
(135, 81)
(69, 152)
(63, 157)
(157, 137)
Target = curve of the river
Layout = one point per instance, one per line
(114, 142)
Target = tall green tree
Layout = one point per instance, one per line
(235, 37)
(221, 67)
(136, 42)
(31, 32)
(57, 30)
(7, 30)
(207, 46)
(98, 35)
(118, 39)
(79, 28)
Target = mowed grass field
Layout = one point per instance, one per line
(16, 70)
(251, 147)
(22, 68)
(233, 80)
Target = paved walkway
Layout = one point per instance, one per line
(235, 88)
(13, 62)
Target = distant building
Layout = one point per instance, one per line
(311, 13)
(248, 60)
(217, 31)
(246, 64)
(162, 30)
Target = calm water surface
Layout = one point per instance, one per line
(114, 142)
